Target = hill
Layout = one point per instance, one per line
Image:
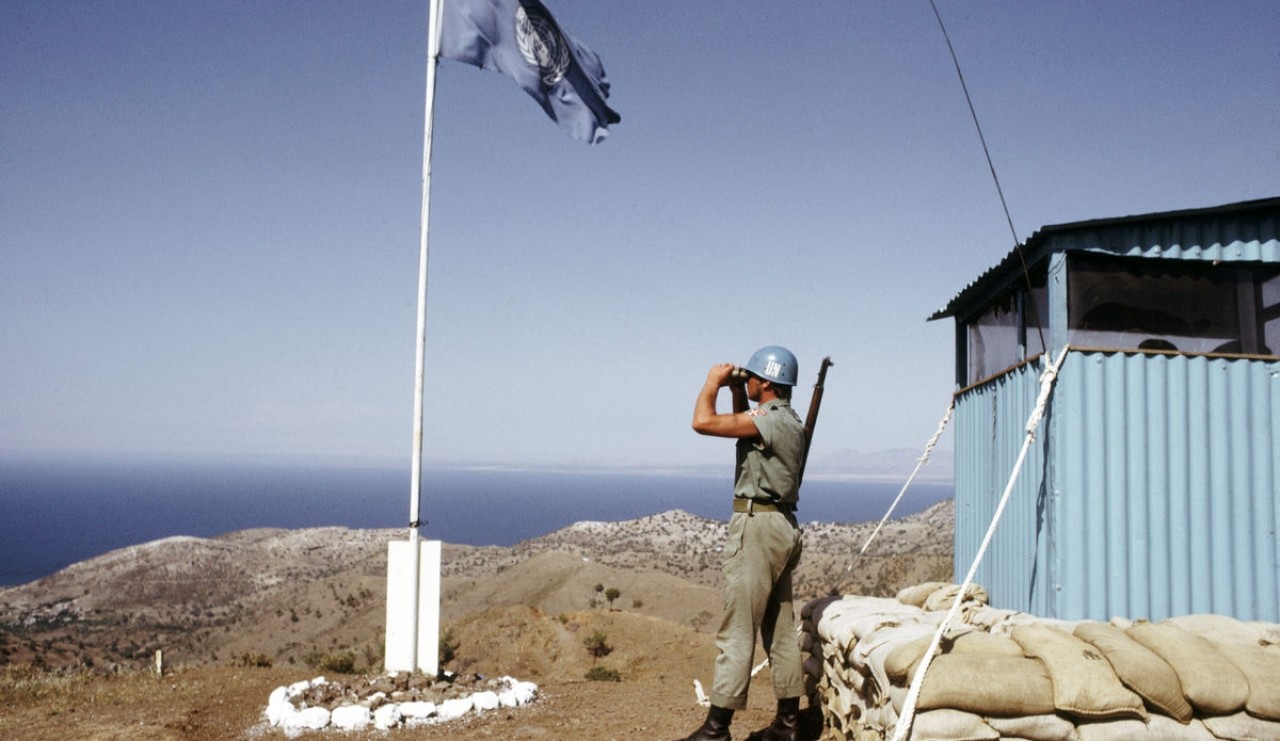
(291, 594)
(307, 601)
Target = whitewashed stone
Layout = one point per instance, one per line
(524, 692)
(351, 718)
(279, 694)
(384, 712)
(386, 716)
(311, 719)
(485, 700)
(297, 688)
(283, 713)
(276, 705)
(455, 708)
(415, 710)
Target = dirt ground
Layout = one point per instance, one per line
(218, 703)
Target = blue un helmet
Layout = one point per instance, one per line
(774, 363)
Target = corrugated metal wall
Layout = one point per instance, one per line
(1165, 472)
(1151, 491)
(990, 424)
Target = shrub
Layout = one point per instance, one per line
(372, 654)
(254, 659)
(601, 674)
(343, 662)
(597, 644)
(448, 647)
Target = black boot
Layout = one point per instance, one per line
(785, 725)
(715, 727)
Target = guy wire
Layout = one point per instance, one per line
(972, 112)
(1017, 243)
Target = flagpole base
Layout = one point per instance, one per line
(399, 649)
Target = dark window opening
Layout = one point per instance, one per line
(1189, 307)
(1010, 330)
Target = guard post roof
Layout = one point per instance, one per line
(1232, 232)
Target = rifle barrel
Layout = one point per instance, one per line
(811, 418)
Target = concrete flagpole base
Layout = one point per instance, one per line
(398, 655)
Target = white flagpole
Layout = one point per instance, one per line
(415, 494)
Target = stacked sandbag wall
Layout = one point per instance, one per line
(1001, 674)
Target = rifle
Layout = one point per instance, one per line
(811, 419)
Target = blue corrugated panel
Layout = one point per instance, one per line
(990, 425)
(1165, 475)
(1158, 498)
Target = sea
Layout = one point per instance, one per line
(55, 513)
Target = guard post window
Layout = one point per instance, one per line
(1173, 306)
(1009, 330)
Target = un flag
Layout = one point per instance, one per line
(521, 39)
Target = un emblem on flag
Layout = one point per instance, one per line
(541, 45)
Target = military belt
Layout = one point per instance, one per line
(742, 504)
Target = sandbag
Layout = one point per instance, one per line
(1139, 668)
(990, 618)
(868, 657)
(1268, 633)
(1084, 685)
(1035, 727)
(916, 595)
(1211, 683)
(900, 665)
(942, 599)
(812, 610)
(812, 666)
(1261, 668)
(901, 661)
(988, 684)
(951, 725)
(1158, 728)
(1243, 727)
(979, 642)
(1219, 628)
(848, 619)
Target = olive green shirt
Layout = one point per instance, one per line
(768, 466)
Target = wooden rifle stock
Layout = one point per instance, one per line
(811, 419)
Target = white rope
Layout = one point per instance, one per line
(909, 705)
(924, 458)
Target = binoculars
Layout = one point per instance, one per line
(739, 374)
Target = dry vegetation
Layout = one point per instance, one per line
(243, 613)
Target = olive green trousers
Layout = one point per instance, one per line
(759, 555)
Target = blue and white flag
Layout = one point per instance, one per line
(520, 38)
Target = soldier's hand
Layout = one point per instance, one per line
(720, 375)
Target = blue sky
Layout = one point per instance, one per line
(209, 213)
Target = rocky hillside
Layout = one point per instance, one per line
(316, 596)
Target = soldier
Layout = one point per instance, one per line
(764, 538)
